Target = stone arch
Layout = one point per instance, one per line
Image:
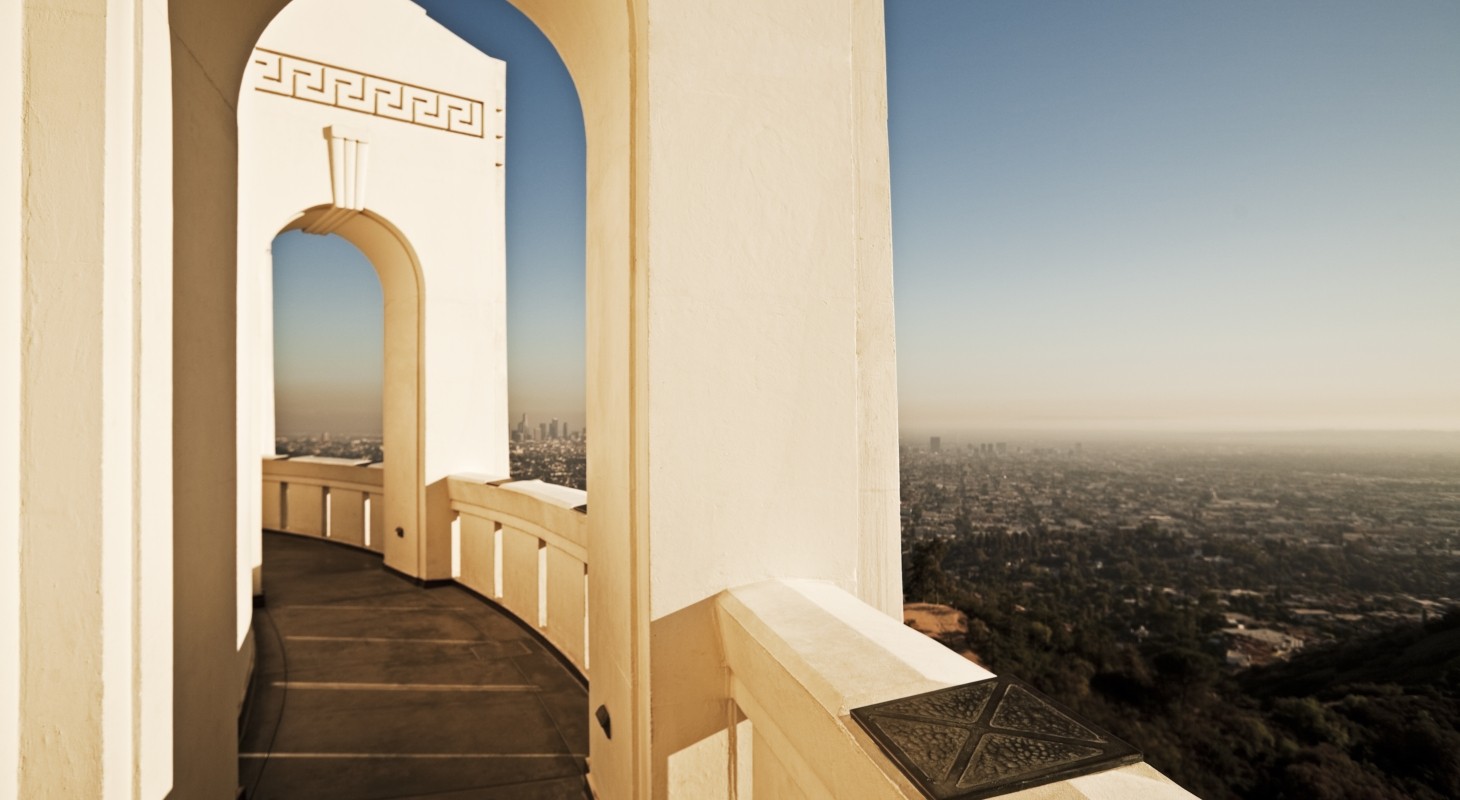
(403, 390)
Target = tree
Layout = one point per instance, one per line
(924, 579)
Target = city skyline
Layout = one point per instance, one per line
(1132, 216)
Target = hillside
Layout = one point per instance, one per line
(1376, 716)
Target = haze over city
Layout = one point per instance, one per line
(1123, 216)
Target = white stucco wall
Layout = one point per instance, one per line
(770, 405)
(442, 190)
(12, 90)
(86, 332)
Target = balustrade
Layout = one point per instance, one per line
(522, 544)
(339, 499)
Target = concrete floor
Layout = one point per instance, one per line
(368, 687)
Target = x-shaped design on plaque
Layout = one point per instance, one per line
(987, 738)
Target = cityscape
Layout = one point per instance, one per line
(1296, 601)
(1288, 547)
(550, 450)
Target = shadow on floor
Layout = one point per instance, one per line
(368, 687)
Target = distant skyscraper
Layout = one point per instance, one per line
(542, 430)
(935, 444)
(553, 429)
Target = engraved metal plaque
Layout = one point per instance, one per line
(988, 738)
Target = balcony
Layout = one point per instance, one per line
(368, 685)
(797, 656)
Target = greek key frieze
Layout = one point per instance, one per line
(327, 84)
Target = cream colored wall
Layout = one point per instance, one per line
(12, 93)
(770, 401)
(154, 431)
(752, 298)
(210, 46)
(92, 440)
(879, 571)
(440, 192)
(63, 376)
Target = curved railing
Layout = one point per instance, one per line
(524, 544)
(802, 654)
(334, 498)
(521, 544)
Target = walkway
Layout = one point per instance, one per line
(368, 687)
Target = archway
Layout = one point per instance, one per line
(328, 362)
(399, 271)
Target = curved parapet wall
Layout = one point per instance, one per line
(337, 499)
(802, 654)
(522, 544)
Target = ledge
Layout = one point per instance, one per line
(318, 471)
(550, 493)
(541, 509)
(804, 653)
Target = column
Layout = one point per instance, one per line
(93, 374)
(768, 359)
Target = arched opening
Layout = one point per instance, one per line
(328, 354)
(401, 417)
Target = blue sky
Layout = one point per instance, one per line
(1106, 215)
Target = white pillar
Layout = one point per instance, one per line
(267, 426)
(12, 287)
(769, 409)
(92, 477)
(265, 394)
(256, 430)
(249, 487)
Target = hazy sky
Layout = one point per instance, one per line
(328, 337)
(1112, 215)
